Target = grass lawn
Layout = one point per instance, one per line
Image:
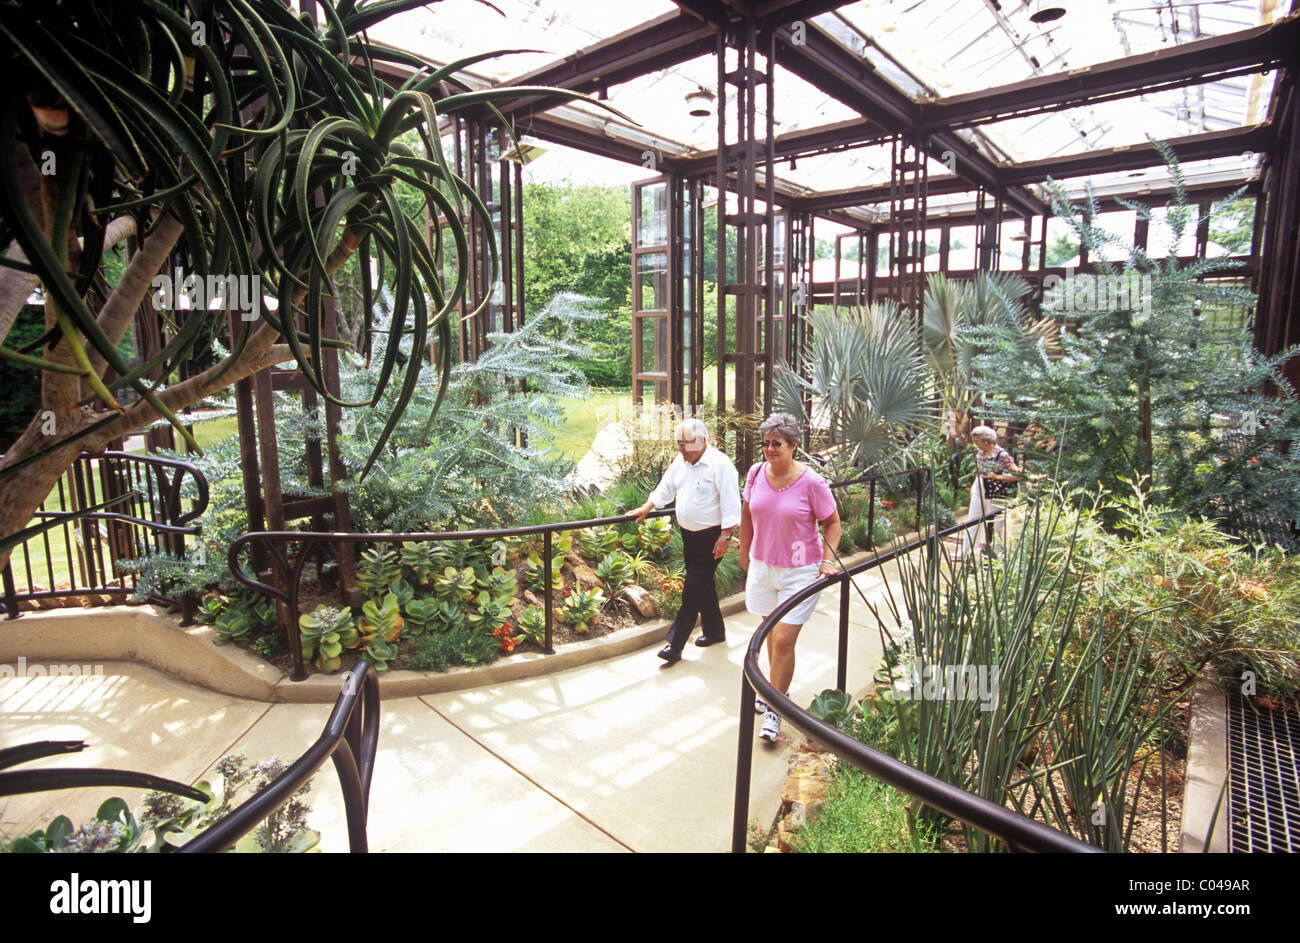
(584, 416)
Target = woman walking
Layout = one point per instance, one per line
(779, 546)
(996, 476)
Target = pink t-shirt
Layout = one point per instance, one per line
(785, 521)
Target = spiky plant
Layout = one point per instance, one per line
(867, 384)
(231, 139)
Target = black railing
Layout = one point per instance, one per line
(81, 555)
(291, 570)
(1019, 832)
(350, 739)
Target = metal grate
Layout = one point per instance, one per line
(1264, 776)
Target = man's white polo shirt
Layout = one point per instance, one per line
(707, 493)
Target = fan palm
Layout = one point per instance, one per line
(950, 311)
(865, 381)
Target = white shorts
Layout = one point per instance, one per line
(766, 587)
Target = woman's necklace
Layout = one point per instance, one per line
(780, 482)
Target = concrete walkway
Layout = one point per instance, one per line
(615, 755)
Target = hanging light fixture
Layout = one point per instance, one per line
(1045, 11)
(699, 103)
(526, 150)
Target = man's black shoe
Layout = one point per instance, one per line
(704, 641)
(669, 656)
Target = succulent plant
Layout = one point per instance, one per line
(654, 534)
(325, 632)
(501, 583)
(455, 585)
(379, 652)
(210, 607)
(403, 591)
(491, 614)
(420, 615)
(580, 608)
(532, 624)
(597, 544)
(422, 559)
(533, 572)
(378, 570)
(381, 618)
(615, 570)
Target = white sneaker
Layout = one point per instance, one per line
(771, 727)
(759, 706)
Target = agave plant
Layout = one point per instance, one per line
(867, 384)
(239, 145)
(615, 571)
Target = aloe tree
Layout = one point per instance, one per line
(227, 138)
(866, 384)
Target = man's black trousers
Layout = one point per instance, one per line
(699, 596)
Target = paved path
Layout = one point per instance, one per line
(616, 755)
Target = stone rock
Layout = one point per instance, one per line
(642, 600)
(585, 576)
(532, 598)
(804, 793)
(806, 779)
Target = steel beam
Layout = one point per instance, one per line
(822, 61)
(1196, 63)
(659, 44)
(1254, 139)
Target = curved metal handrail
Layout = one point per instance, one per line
(1020, 832)
(172, 527)
(350, 739)
(287, 599)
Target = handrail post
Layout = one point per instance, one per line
(287, 612)
(842, 656)
(871, 516)
(744, 762)
(548, 597)
(11, 591)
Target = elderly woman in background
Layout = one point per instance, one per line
(779, 546)
(996, 475)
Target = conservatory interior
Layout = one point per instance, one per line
(1077, 223)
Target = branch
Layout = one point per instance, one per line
(120, 308)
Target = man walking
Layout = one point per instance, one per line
(707, 489)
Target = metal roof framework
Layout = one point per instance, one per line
(931, 150)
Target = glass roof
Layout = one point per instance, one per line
(927, 48)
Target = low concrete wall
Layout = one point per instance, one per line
(149, 636)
